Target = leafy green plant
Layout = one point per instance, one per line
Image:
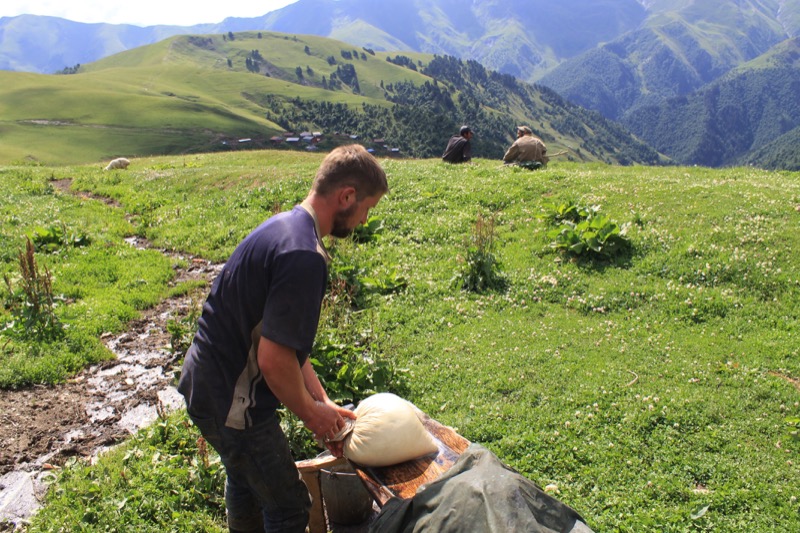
(345, 283)
(345, 289)
(564, 211)
(582, 230)
(33, 304)
(350, 367)
(481, 270)
(346, 353)
(392, 282)
(597, 235)
(370, 231)
(53, 238)
(349, 282)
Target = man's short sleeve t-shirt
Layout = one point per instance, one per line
(272, 286)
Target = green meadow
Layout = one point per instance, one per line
(656, 388)
(176, 96)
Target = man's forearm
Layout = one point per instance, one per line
(284, 377)
(312, 383)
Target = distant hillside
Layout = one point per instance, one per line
(750, 115)
(47, 45)
(682, 46)
(780, 154)
(237, 90)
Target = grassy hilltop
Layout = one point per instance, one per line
(656, 387)
(203, 93)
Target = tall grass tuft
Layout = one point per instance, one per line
(32, 304)
(481, 270)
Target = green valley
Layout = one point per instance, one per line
(192, 94)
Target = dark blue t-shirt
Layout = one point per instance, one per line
(272, 286)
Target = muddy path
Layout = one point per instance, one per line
(43, 426)
(103, 404)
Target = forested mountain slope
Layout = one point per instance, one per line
(682, 46)
(750, 115)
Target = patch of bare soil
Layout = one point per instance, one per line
(43, 426)
(35, 422)
(89, 412)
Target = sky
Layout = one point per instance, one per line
(142, 12)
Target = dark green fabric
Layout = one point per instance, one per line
(479, 494)
(530, 165)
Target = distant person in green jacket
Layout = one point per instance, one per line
(528, 151)
(458, 148)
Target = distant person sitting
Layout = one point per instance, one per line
(458, 148)
(528, 151)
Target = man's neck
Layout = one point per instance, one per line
(322, 213)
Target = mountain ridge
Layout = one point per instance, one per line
(753, 109)
(675, 53)
(199, 93)
(462, 29)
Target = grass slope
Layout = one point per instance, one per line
(657, 392)
(144, 97)
(202, 93)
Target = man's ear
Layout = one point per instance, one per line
(347, 197)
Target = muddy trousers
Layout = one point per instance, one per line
(263, 490)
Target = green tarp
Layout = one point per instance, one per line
(479, 494)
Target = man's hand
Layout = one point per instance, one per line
(335, 447)
(326, 421)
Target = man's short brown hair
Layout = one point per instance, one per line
(351, 166)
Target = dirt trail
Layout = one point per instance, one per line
(41, 427)
(94, 409)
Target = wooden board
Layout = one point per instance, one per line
(403, 480)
